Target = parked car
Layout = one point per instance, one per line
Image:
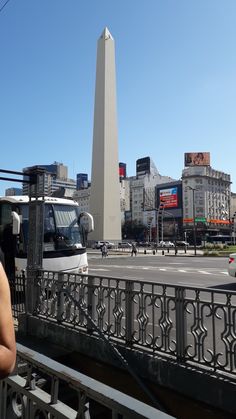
(182, 244)
(166, 244)
(124, 245)
(170, 244)
(98, 244)
(232, 265)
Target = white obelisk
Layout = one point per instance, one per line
(105, 188)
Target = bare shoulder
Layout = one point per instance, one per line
(7, 333)
(4, 286)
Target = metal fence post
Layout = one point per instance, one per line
(129, 312)
(32, 291)
(60, 297)
(181, 323)
(91, 303)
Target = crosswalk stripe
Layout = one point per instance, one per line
(205, 272)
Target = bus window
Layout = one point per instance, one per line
(67, 228)
(49, 228)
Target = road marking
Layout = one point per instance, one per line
(205, 272)
(189, 270)
(176, 263)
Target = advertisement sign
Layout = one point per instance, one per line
(143, 166)
(197, 159)
(169, 197)
(122, 170)
(82, 181)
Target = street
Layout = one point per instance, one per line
(195, 271)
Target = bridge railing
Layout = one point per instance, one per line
(193, 326)
(43, 388)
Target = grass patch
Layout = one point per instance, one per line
(211, 253)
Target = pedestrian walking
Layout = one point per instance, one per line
(104, 250)
(134, 250)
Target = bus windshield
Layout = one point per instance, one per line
(65, 225)
(61, 228)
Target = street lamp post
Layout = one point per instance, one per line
(157, 224)
(233, 221)
(227, 212)
(175, 229)
(194, 221)
(162, 225)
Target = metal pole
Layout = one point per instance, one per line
(194, 223)
(157, 232)
(234, 231)
(230, 229)
(162, 227)
(35, 235)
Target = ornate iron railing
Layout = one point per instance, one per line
(42, 388)
(17, 289)
(190, 325)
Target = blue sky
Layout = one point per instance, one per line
(176, 81)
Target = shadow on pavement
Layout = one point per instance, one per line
(227, 287)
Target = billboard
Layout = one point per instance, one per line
(122, 170)
(81, 181)
(169, 197)
(197, 159)
(143, 166)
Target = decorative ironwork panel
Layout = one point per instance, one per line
(192, 325)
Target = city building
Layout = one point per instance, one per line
(56, 180)
(169, 201)
(206, 199)
(13, 191)
(82, 196)
(142, 190)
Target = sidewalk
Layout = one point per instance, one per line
(148, 252)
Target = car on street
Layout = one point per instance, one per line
(182, 243)
(124, 245)
(166, 244)
(98, 244)
(232, 265)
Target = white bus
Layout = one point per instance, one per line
(64, 227)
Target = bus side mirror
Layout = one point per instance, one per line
(89, 223)
(15, 223)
